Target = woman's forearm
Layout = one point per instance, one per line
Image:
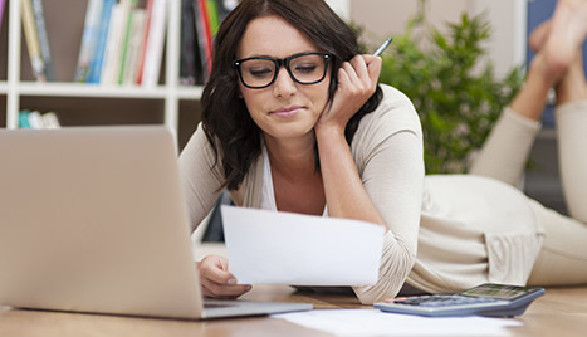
(346, 196)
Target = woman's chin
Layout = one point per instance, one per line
(290, 132)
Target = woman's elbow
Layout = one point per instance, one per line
(397, 260)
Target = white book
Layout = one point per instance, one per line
(136, 40)
(49, 120)
(155, 42)
(109, 75)
(35, 120)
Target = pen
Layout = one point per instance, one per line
(383, 46)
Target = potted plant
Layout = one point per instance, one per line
(453, 88)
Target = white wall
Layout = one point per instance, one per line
(341, 7)
(507, 46)
(508, 19)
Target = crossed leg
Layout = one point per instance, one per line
(563, 257)
(558, 64)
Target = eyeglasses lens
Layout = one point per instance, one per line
(305, 69)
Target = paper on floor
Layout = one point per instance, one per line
(372, 322)
(266, 247)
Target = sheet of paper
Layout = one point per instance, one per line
(266, 247)
(372, 322)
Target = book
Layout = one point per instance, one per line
(135, 46)
(128, 12)
(35, 120)
(189, 56)
(49, 120)
(45, 51)
(143, 51)
(2, 5)
(204, 37)
(112, 52)
(89, 40)
(32, 40)
(155, 41)
(212, 10)
(101, 41)
(23, 119)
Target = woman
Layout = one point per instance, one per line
(293, 120)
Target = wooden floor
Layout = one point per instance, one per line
(561, 312)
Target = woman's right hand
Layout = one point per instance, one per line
(216, 280)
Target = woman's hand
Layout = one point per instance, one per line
(357, 81)
(215, 279)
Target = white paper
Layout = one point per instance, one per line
(373, 322)
(266, 247)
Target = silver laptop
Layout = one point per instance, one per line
(93, 220)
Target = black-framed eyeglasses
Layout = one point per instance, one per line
(303, 68)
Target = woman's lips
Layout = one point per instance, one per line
(287, 112)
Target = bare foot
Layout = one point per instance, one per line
(531, 99)
(569, 29)
(539, 36)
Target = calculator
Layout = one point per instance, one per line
(489, 299)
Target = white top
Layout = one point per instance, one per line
(268, 195)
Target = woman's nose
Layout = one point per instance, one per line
(284, 85)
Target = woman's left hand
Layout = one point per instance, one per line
(357, 81)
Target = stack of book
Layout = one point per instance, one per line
(200, 20)
(122, 42)
(35, 120)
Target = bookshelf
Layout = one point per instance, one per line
(81, 104)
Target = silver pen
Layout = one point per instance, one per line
(382, 47)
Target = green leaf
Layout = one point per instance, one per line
(457, 98)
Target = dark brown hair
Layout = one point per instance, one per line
(225, 118)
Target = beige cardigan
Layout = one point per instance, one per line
(465, 237)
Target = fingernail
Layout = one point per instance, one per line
(232, 281)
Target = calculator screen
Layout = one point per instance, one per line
(505, 292)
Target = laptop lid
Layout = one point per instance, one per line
(93, 220)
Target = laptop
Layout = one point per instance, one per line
(93, 220)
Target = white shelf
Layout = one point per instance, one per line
(89, 90)
(86, 90)
(189, 93)
(171, 92)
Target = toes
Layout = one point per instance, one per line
(539, 35)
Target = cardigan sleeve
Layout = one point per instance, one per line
(389, 156)
(200, 177)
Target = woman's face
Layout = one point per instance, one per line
(285, 108)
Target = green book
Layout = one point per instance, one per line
(23, 119)
(132, 4)
(212, 9)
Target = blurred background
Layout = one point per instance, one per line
(510, 22)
